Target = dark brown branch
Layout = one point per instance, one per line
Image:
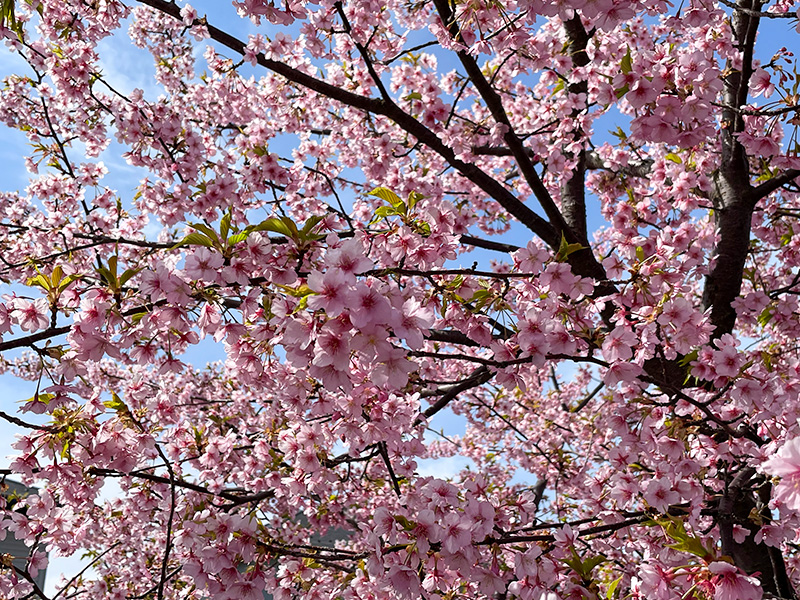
(449, 336)
(411, 50)
(38, 592)
(773, 184)
(632, 169)
(362, 50)
(573, 188)
(104, 239)
(229, 496)
(495, 105)
(385, 457)
(402, 119)
(593, 161)
(488, 244)
(759, 13)
(80, 573)
(732, 195)
(446, 272)
(478, 377)
(544, 537)
(582, 404)
(736, 506)
(317, 555)
(20, 423)
(29, 340)
(500, 364)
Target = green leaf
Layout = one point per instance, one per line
(575, 564)
(46, 397)
(308, 226)
(672, 157)
(112, 264)
(9, 19)
(691, 546)
(311, 223)
(422, 227)
(194, 239)
(237, 238)
(389, 196)
(301, 306)
(126, 275)
(202, 227)
(619, 93)
(300, 291)
(116, 403)
(613, 588)
(413, 198)
(57, 275)
(411, 58)
(405, 523)
(766, 315)
(590, 563)
(40, 280)
(225, 225)
(385, 211)
(689, 358)
(675, 529)
(766, 358)
(109, 277)
(282, 225)
(414, 96)
(626, 64)
(565, 249)
(482, 297)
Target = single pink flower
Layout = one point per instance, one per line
(729, 584)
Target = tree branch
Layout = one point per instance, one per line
(478, 377)
(488, 244)
(773, 184)
(495, 105)
(732, 196)
(402, 119)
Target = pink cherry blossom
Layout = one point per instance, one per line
(785, 463)
(30, 315)
(333, 292)
(729, 584)
(204, 264)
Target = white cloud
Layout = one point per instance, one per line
(443, 468)
(126, 67)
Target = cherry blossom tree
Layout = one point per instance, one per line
(309, 194)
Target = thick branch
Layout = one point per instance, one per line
(773, 184)
(171, 481)
(732, 197)
(573, 189)
(724, 283)
(632, 169)
(593, 161)
(736, 507)
(477, 378)
(495, 105)
(488, 244)
(28, 340)
(449, 336)
(389, 109)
